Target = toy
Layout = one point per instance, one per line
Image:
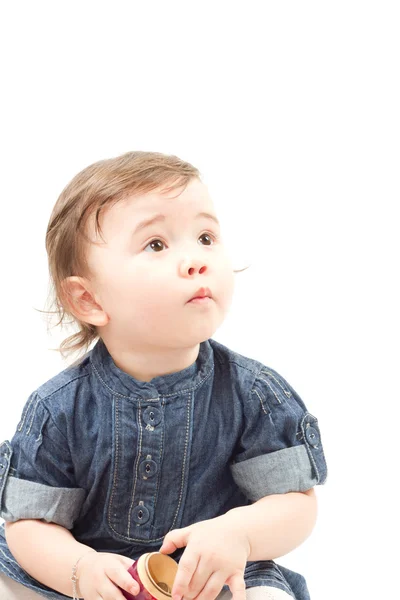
(155, 573)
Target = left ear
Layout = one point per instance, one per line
(81, 301)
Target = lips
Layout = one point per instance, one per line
(202, 293)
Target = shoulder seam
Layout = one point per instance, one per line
(47, 408)
(255, 372)
(61, 386)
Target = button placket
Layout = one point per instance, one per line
(140, 514)
(148, 468)
(152, 416)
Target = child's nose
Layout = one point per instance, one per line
(190, 267)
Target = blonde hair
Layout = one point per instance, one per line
(95, 188)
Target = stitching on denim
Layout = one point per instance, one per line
(271, 388)
(187, 390)
(130, 539)
(121, 535)
(7, 469)
(113, 392)
(33, 416)
(257, 372)
(191, 389)
(307, 444)
(63, 386)
(139, 454)
(116, 463)
(25, 412)
(8, 557)
(253, 371)
(184, 456)
(160, 459)
(261, 401)
(287, 392)
(180, 393)
(5, 443)
(5, 567)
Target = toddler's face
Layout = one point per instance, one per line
(145, 276)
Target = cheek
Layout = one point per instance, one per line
(140, 290)
(227, 280)
(115, 286)
(229, 287)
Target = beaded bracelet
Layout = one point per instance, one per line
(75, 579)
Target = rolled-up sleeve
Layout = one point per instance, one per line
(280, 449)
(36, 472)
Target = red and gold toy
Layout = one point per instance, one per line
(155, 573)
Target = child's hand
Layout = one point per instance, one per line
(217, 552)
(102, 573)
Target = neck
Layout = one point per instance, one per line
(145, 363)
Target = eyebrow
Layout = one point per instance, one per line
(157, 218)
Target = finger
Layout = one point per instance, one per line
(122, 579)
(199, 579)
(177, 538)
(109, 591)
(237, 586)
(187, 566)
(213, 587)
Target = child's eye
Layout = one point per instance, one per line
(210, 236)
(157, 244)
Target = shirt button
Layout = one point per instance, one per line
(148, 468)
(152, 416)
(312, 436)
(140, 514)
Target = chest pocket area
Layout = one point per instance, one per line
(151, 449)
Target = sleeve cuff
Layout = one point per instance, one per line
(287, 470)
(24, 499)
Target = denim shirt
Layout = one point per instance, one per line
(120, 462)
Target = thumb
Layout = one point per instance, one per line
(177, 538)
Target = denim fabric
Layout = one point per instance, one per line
(121, 462)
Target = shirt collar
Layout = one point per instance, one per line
(122, 383)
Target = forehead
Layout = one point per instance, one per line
(174, 204)
(187, 199)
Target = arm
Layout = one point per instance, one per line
(46, 551)
(218, 549)
(276, 524)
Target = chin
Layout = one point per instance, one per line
(202, 334)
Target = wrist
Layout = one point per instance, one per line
(235, 518)
(76, 574)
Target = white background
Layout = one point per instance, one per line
(291, 112)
